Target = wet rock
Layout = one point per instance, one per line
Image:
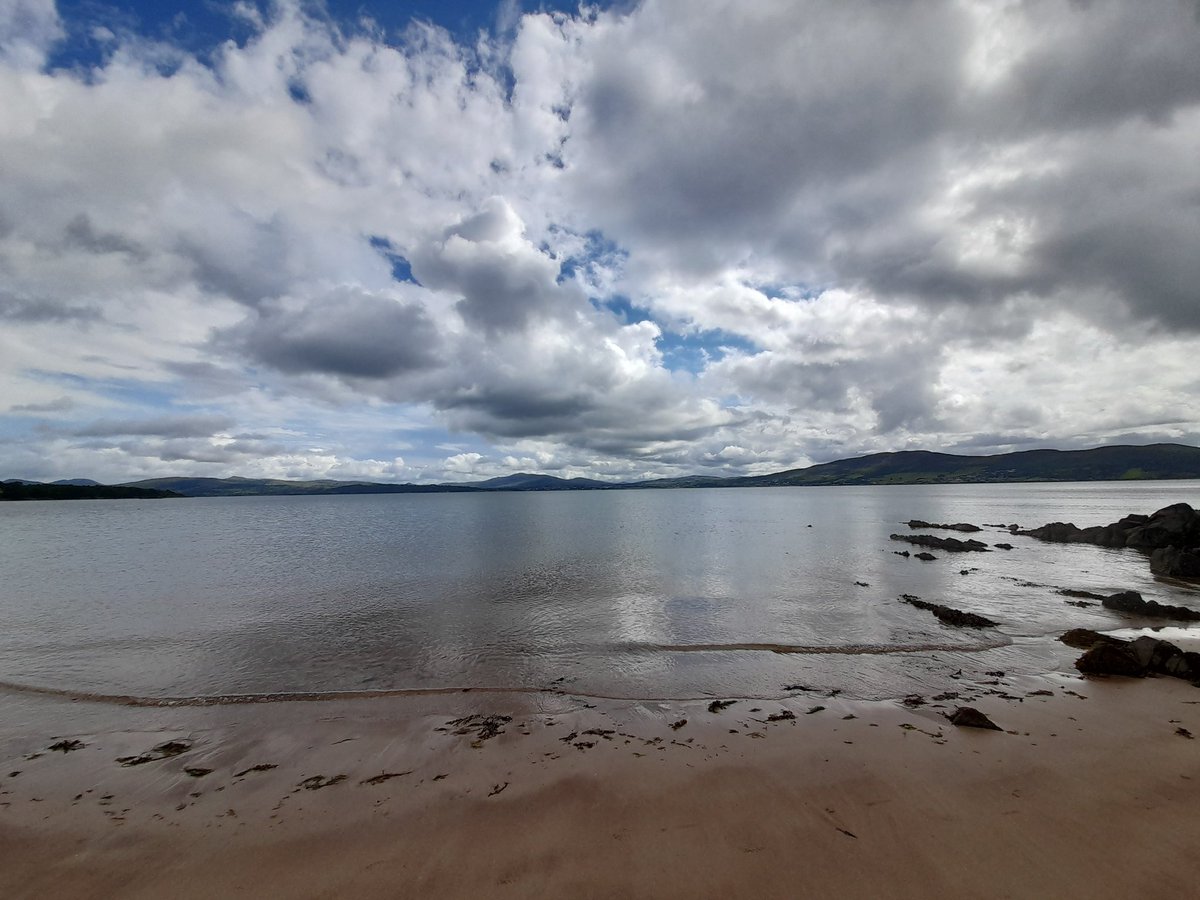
(1085, 638)
(717, 705)
(1003, 546)
(913, 700)
(925, 556)
(1086, 595)
(1111, 659)
(950, 545)
(970, 717)
(1170, 538)
(1176, 562)
(675, 726)
(949, 615)
(960, 526)
(781, 716)
(1132, 602)
(903, 553)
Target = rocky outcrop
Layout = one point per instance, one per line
(1132, 602)
(1170, 537)
(950, 545)
(949, 615)
(1107, 655)
(959, 526)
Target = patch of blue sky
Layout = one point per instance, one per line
(624, 309)
(401, 267)
(694, 352)
(778, 290)
(199, 27)
(598, 251)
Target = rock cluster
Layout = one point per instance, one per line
(958, 526)
(1132, 602)
(1107, 655)
(1170, 537)
(950, 545)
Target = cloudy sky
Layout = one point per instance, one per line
(435, 241)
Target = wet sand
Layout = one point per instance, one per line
(1089, 791)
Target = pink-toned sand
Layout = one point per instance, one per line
(1090, 792)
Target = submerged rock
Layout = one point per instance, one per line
(949, 615)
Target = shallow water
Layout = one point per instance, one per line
(613, 593)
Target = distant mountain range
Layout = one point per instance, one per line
(1114, 463)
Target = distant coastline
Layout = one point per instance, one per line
(1153, 462)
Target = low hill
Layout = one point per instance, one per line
(25, 490)
(1116, 463)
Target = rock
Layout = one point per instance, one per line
(1085, 638)
(949, 615)
(950, 545)
(1087, 595)
(903, 553)
(1002, 546)
(717, 705)
(960, 526)
(1176, 563)
(1132, 602)
(1111, 659)
(970, 717)
(1170, 537)
(925, 557)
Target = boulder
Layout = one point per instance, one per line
(1176, 563)
(1170, 537)
(1107, 658)
(970, 717)
(1085, 638)
(1132, 602)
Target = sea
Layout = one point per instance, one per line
(640, 594)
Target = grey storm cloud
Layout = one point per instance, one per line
(82, 234)
(31, 310)
(504, 282)
(344, 333)
(936, 152)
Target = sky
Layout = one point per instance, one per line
(442, 241)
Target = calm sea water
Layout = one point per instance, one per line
(615, 593)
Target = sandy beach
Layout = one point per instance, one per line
(1090, 790)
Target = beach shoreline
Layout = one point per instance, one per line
(1089, 790)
